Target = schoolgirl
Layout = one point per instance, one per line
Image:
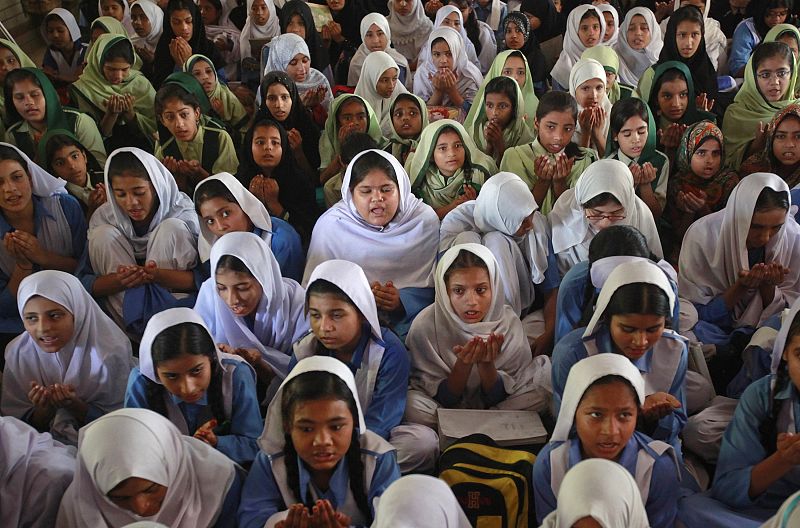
(585, 29)
(376, 35)
(108, 25)
(448, 168)
(224, 205)
(205, 393)
(587, 84)
(379, 85)
(512, 63)
(780, 154)
(11, 58)
(223, 21)
(451, 16)
(147, 20)
(611, 18)
(116, 95)
(118, 9)
(751, 31)
(299, 478)
(603, 399)
(296, 17)
(68, 367)
(249, 307)
(35, 108)
(609, 59)
(409, 118)
(716, 39)
(42, 227)
(134, 464)
(65, 157)
(262, 24)
(551, 163)
(225, 104)
(344, 323)
(63, 59)
(392, 223)
(639, 44)
(143, 240)
(604, 195)
(410, 28)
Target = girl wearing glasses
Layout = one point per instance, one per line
(752, 31)
(603, 196)
(768, 87)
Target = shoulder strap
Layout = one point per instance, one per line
(170, 149)
(559, 459)
(175, 415)
(72, 119)
(24, 141)
(645, 462)
(210, 148)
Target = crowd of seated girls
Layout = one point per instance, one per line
(249, 249)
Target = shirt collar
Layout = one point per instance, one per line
(39, 211)
(337, 487)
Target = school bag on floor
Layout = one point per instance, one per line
(493, 484)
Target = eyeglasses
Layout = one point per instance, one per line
(780, 74)
(591, 214)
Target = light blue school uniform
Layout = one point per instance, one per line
(414, 300)
(572, 348)
(227, 515)
(52, 216)
(745, 40)
(262, 496)
(659, 486)
(386, 385)
(245, 420)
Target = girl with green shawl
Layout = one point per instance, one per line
(496, 121)
(512, 63)
(116, 95)
(789, 35)
(349, 113)
(769, 85)
(606, 56)
(551, 163)
(700, 186)
(781, 155)
(409, 118)
(106, 25)
(38, 109)
(632, 140)
(11, 58)
(448, 168)
(226, 105)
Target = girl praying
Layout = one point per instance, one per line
(585, 29)
(780, 155)
(205, 393)
(262, 25)
(63, 59)
(68, 367)
(225, 34)
(519, 36)
(609, 59)
(587, 84)
(147, 20)
(296, 17)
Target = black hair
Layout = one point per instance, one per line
(58, 141)
(52, 17)
(232, 263)
(180, 5)
(354, 144)
(170, 91)
(126, 162)
(557, 101)
(625, 109)
(608, 380)
(505, 86)
(465, 259)
(769, 427)
(769, 199)
(324, 287)
(179, 340)
(210, 189)
(760, 11)
(348, 101)
(318, 385)
(10, 153)
(470, 23)
(639, 298)
(437, 41)
(600, 199)
(768, 50)
(123, 49)
(121, 4)
(19, 75)
(788, 33)
(405, 96)
(672, 74)
(367, 163)
(592, 13)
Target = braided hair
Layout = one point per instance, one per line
(174, 342)
(769, 427)
(318, 385)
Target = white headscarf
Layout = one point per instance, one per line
(373, 67)
(172, 203)
(715, 250)
(438, 328)
(581, 376)
(503, 204)
(362, 52)
(279, 319)
(423, 86)
(42, 182)
(156, 17)
(72, 24)
(126, 16)
(780, 340)
(571, 229)
(469, 47)
(419, 500)
(407, 244)
(251, 30)
(282, 49)
(96, 361)
(633, 63)
(252, 207)
(573, 47)
(408, 28)
(788, 515)
(600, 489)
(35, 470)
(141, 443)
(608, 8)
(586, 70)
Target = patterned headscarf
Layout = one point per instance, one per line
(520, 20)
(692, 138)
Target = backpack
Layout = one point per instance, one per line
(493, 485)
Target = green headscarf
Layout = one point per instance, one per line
(692, 114)
(649, 154)
(428, 183)
(192, 86)
(496, 70)
(24, 62)
(54, 112)
(399, 145)
(111, 25)
(606, 56)
(329, 146)
(93, 87)
(233, 112)
(750, 108)
(517, 132)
